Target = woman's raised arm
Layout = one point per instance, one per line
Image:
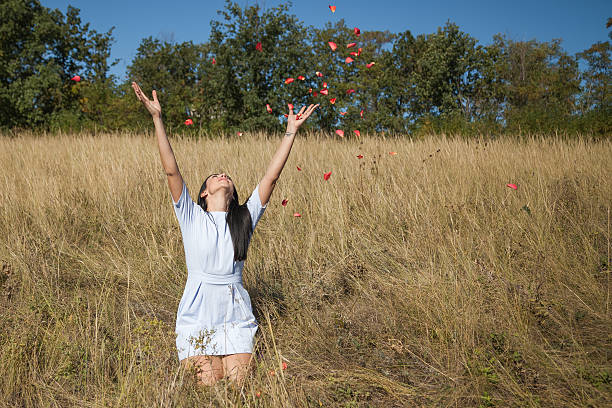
(175, 180)
(268, 182)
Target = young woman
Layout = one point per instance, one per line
(215, 323)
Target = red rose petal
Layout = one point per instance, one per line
(332, 100)
(340, 133)
(512, 186)
(326, 176)
(299, 168)
(315, 93)
(324, 84)
(297, 214)
(319, 74)
(359, 51)
(357, 31)
(354, 54)
(289, 80)
(258, 47)
(332, 45)
(360, 156)
(392, 153)
(284, 365)
(324, 91)
(268, 108)
(76, 78)
(284, 203)
(350, 91)
(189, 122)
(332, 8)
(348, 60)
(370, 65)
(214, 61)
(357, 132)
(361, 113)
(351, 45)
(309, 90)
(290, 105)
(301, 78)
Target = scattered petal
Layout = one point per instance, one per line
(359, 51)
(297, 117)
(360, 156)
(189, 122)
(76, 78)
(370, 65)
(332, 45)
(284, 365)
(324, 84)
(348, 60)
(315, 93)
(297, 214)
(340, 133)
(326, 176)
(258, 47)
(320, 75)
(392, 153)
(332, 100)
(284, 203)
(290, 105)
(299, 168)
(301, 78)
(324, 91)
(239, 133)
(358, 133)
(343, 113)
(361, 113)
(350, 91)
(271, 372)
(214, 61)
(354, 54)
(258, 394)
(332, 8)
(309, 90)
(286, 115)
(289, 80)
(357, 31)
(512, 186)
(268, 108)
(351, 45)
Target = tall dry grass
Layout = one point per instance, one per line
(416, 279)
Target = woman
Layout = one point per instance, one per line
(215, 323)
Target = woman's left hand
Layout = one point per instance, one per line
(295, 121)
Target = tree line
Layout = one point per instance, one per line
(440, 82)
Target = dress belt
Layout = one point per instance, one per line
(216, 279)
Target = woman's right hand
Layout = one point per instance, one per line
(153, 106)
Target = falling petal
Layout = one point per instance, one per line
(299, 168)
(258, 47)
(258, 394)
(392, 153)
(301, 78)
(354, 54)
(214, 61)
(286, 115)
(76, 78)
(268, 108)
(284, 203)
(348, 60)
(298, 117)
(359, 51)
(295, 215)
(324, 91)
(239, 133)
(315, 93)
(343, 113)
(370, 65)
(332, 45)
(350, 91)
(309, 90)
(332, 100)
(324, 84)
(360, 156)
(357, 133)
(319, 74)
(512, 186)
(332, 8)
(284, 365)
(351, 45)
(340, 133)
(289, 80)
(361, 113)
(357, 31)
(290, 105)
(326, 176)
(189, 122)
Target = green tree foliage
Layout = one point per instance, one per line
(40, 50)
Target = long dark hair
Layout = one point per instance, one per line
(238, 220)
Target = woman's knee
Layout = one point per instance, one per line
(207, 369)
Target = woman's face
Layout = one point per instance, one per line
(219, 182)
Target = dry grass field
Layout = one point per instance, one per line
(415, 279)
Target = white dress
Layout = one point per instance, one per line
(214, 315)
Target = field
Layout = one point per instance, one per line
(414, 279)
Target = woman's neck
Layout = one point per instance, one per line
(216, 204)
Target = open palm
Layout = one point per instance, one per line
(152, 106)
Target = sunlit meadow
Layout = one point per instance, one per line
(411, 279)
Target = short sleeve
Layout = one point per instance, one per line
(255, 207)
(184, 208)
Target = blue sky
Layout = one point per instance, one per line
(579, 24)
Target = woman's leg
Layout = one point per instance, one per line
(209, 369)
(236, 366)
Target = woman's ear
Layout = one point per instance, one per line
(204, 194)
